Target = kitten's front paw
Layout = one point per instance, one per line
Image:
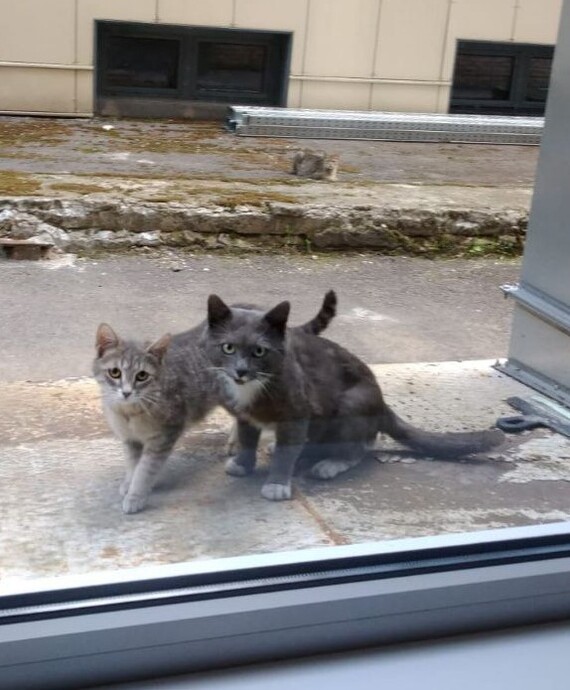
(133, 503)
(235, 469)
(276, 492)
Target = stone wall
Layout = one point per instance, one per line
(84, 225)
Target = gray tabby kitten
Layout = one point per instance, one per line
(324, 403)
(150, 393)
(316, 165)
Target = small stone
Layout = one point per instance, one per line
(177, 267)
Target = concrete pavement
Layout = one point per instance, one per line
(60, 471)
(60, 468)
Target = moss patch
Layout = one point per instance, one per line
(31, 132)
(17, 184)
(78, 188)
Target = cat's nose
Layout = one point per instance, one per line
(126, 393)
(241, 373)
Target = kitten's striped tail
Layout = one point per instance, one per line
(326, 314)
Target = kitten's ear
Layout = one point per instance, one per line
(159, 348)
(218, 311)
(277, 317)
(105, 338)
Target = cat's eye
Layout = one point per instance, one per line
(259, 351)
(228, 349)
(114, 373)
(142, 376)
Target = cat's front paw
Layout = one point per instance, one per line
(235, 469)
(133, 503)
(276, 492)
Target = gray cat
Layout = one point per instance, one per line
(150, 393)
(316, 165)
(324, 403)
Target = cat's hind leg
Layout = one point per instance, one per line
(345, 442)
(331, 467)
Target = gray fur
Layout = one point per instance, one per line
(178, 388)
(321, 399)
(316, 165)
(177, 392)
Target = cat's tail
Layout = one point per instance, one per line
(439, 444)
(326, 314)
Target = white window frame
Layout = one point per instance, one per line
(73, 632)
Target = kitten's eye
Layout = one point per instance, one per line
(114, 373)
(259, 351)
(228, 349)
(142, 376)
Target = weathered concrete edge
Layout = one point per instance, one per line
(106, 223)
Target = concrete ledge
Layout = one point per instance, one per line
(398, 219)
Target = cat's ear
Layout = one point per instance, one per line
(105, 338)
(159, 348)
(277, 317)
(218, 311)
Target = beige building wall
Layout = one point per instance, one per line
(346, 54)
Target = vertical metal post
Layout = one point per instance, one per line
(539, 352)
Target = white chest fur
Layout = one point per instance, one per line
(244, 394)
(130, 424)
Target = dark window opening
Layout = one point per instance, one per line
(501, 78)
(142, 62)
(159, 69)
(231, 66)
(538, 78)
(486, 77)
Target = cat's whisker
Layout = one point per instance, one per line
(265, 375)
(265, 386)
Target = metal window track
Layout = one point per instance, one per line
(345, 124)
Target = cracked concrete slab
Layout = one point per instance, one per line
(60, 471)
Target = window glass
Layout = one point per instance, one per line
(500, 78)
(136, 223)
(483, 77)
(538, 79)
(148, 63)
(231, 67)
